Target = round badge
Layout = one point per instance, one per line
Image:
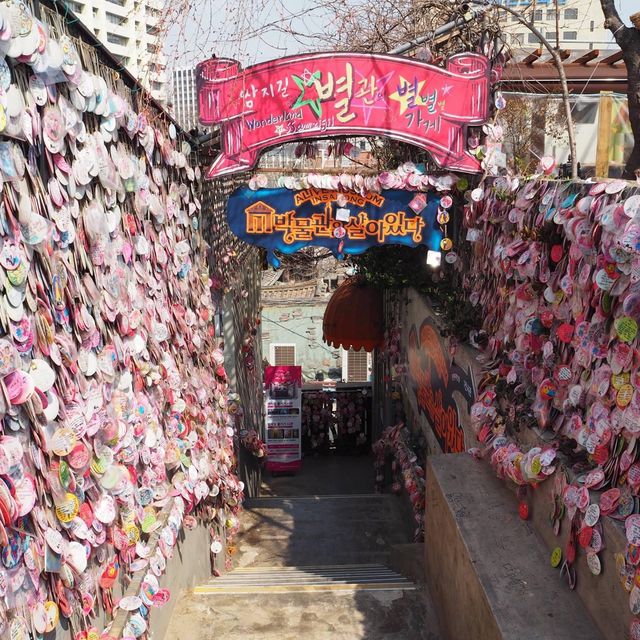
(53, 615)
(593, 562)
(18, 630)
(584, 537)
(632, 528)
(446, 202)
(631, 305)
(451, 257)
(556, 557)
(54, 539)
(556, 253)
(443, 217)
(79, 456)
(105, 509)
(634, 600)
(216, 546)
(565, 332)
(339, 232)
(63, 441)
(446, 244)
(592, 515)
(626, 328)
(39, 617)
(632, 206)
(547, 389)
(130, 603)
(68, 509)
(624, 395)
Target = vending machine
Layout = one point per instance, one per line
(283, 400)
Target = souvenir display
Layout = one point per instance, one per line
(555, 270)
(352, 411)
(318, 421)
(248, 438)
(408, 176)
(407, 470)
(113, 403)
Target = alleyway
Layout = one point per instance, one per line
(314, 566)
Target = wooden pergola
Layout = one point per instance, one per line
(588, 71)
(594, 71)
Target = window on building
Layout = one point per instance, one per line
(514, 18)
(551, 14)
(570, 35)
(95, 12)
(357, 366)
(114, 19)
(570, 14)
(593, 25)
(537, 15)
(156, 86)
(283, 355)
(76, 7)
(151, 48)
(533, 39)
(118, 2)
(114, 38)
(152, 29)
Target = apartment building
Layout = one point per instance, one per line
(580, 23)
(184, 97)
(131, 30)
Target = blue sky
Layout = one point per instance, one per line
(252, 30)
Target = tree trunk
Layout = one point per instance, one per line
(632, 61)
(628, 39)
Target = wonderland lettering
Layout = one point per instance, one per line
(434, 381)
(287, 221)
(340, 94)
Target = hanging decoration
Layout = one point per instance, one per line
(114, 432)
(325, 95)
(555, 270)
(408, 472)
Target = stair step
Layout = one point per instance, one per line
(292, 579)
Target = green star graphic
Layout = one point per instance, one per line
(303, 85)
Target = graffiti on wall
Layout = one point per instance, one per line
(434, 380)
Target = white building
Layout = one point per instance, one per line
(184, 97)
(129, 29)
(580, 23)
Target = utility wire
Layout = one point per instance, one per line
(295, 333)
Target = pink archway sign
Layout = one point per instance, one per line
(344, 94)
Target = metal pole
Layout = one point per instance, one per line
(563, 78)
(467, 17)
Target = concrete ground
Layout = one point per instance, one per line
(311, 562)
(324, 475)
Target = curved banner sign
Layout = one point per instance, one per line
(345, 223)
(343, 94)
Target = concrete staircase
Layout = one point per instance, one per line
(315, 567)
(355, 577)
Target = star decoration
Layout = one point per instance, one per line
(303, 99)
(379, 100)
(408, 94)
(446, 90)
(280, 129)
(307, 76)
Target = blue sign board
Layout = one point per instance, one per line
(344, 222)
